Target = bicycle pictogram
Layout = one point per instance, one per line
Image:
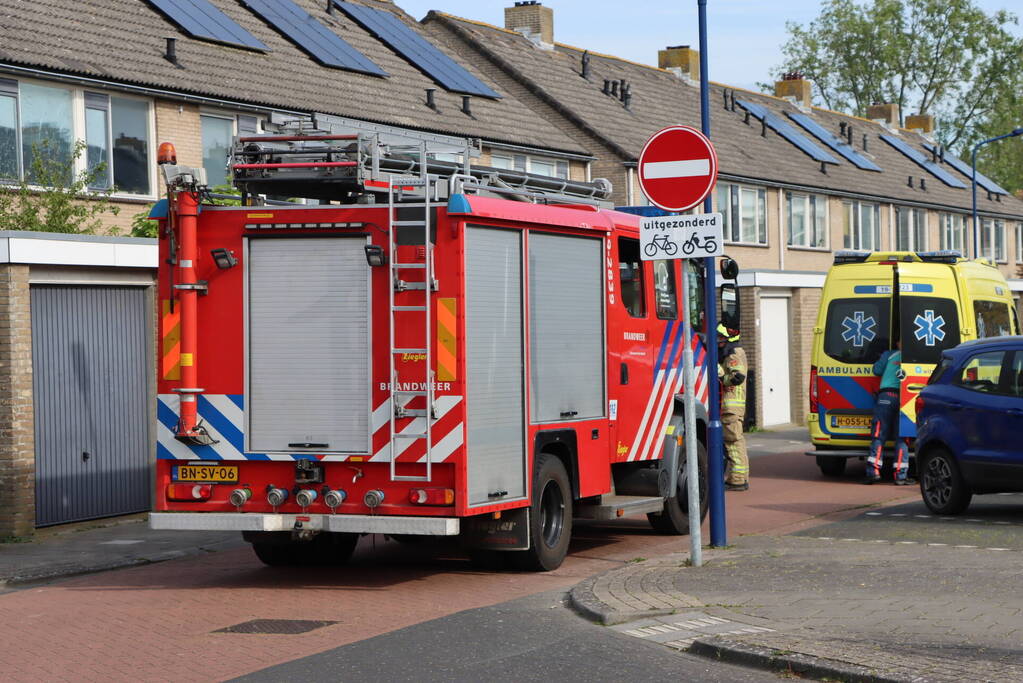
(660, 243)
(708, 244)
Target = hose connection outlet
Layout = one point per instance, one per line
(333, 499)
(275, 496)
(305, 498)
(373, 498)
(239, 497)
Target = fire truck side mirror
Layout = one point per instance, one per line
(729, 268)
(729, 306)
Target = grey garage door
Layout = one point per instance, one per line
(90, 365)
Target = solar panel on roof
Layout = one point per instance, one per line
(833, 141)
(416, 49)
(923, 162)
(967, 170)
(200, 19)
(782, 128)
(304, 30)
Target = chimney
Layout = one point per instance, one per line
(920, 122)
(794, 85)
(680, 59)
(171, 55)
(466, 106)
(532, 20)
(887, 112)
(431, 99)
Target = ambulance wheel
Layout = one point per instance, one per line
(830, 466)
(674, 519)
(550, 517)
(942, 485)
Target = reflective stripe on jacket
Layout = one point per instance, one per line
(732, 372)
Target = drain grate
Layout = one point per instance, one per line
(287, 627)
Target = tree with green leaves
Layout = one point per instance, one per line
(52, 197)
(947, 58)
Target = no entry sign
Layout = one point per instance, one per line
(677, 168)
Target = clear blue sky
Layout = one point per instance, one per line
(744, 36)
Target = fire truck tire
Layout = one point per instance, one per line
(674, 519)
(831, 466)
(550, 517)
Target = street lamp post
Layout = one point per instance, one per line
(976, 231)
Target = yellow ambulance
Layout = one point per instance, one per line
(929, 300)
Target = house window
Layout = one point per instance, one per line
(911, 234)
(992, 239)
(953, 232)
(744, 210)
(530, 164)
(116, 132)
(807, 218)
(1019, 243)
(217, 133)
(861, 226)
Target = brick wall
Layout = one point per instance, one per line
(749, 327)
(805, 302)
(17, 437)
(179, 123)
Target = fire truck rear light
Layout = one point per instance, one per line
(276, 497)
(335, 498)
(185, 492)
(239, 497)
(431, 496)
(305, 497)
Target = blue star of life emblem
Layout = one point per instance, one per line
(858, 329)
(929, 328)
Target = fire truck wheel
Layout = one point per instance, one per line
(674, 519)
(550, 517)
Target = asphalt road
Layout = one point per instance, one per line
(530, 639)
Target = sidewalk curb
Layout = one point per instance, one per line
(585, 602)
(725, 650)
(54, 573)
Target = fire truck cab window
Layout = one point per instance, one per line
(630, 272)
(665, 293)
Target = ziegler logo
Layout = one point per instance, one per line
(622, 448)
(412, 357)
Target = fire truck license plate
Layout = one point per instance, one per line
(851, 421)
(205, 472)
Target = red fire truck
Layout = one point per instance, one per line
(433, 349)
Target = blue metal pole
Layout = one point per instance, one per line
(715, 444)
(976, 231)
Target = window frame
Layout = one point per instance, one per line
(916, 224)
(947, 227)
(516, 160)
(79, 133)
(811, 204)
(990, 228)
(1019, 242)
(1000, 388)
(852, 220)
(732, 213)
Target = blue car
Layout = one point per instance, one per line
(970, 424)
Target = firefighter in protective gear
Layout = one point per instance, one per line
(732, 374)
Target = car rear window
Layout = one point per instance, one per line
(929, 325)
(944, 365)
(993, 318)
(857, 330)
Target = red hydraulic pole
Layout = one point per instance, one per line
(188, 294)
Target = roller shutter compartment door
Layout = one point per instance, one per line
(91, 357)
(566, 327)
(308, 345)
(495, 407)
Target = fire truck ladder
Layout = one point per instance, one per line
(421, 427)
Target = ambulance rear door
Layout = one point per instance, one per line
(929, 315)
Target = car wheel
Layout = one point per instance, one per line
(550, 517)
(942, 485)
(674, 518)
(831, 466)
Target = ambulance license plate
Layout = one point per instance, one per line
(851, 421)
(205, 472)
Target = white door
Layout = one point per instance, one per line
(774, 382)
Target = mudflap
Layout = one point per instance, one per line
(510, 531)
